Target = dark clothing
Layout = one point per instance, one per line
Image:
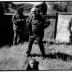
(39, 40)
(36, 24)
(42, 7)
(18, 26)
(70, 26)
(70, 30)
(32, 69)
(36, 27)
(17, 37)
(71, 39)
(18, 22)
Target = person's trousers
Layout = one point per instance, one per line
(17, 37)
(39, 40)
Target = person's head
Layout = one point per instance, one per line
(42, 7)
(20, 11)
(34, 11)
(33, 63)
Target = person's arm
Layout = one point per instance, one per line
(28, 22)
(14, 23)
(14, 19)
(46, 23)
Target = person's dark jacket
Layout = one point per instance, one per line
(36, 24)
(18, 22)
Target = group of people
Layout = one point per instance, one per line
(36, 25)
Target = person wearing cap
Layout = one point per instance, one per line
(36, 29)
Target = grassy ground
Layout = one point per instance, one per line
(58, 57)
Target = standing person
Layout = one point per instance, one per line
(70, 30)
(18, 25)
(36, 27)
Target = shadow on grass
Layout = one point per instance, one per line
(56, 43)
(62, 56)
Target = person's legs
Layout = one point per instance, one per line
(41, 47)
(31, 40)
(19, 37)
(39, 39)
(15, 38)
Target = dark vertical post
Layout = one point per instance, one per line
(56, 25)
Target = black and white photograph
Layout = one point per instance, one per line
(35, 35)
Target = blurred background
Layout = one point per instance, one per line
(53, 7)
(8, 9)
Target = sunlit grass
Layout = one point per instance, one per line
(14, 57)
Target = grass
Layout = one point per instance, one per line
(58, 57)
